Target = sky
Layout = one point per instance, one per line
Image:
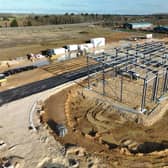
(84, 6)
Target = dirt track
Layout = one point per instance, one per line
(29, 147)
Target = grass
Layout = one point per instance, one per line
(20, 41)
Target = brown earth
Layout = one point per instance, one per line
(121, 140)
(55, 68)
(20, 41)
(58, 68)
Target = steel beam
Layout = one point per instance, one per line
(88, 71)
(155, 88)
(103, 78)
(121, 90)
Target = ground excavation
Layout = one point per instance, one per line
(100, 134)
(119, 139)
(116, 132)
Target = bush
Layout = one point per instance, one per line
(14, 23)
(29, 23)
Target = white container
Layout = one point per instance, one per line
(81, 47)
(85, 46)
(149, 36)
(59, 51)
(73, 47)
(89, 45)
(98, 42)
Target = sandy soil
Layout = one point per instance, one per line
(131, 94)
(58, 68)
(17, 42)
(26, 148)
(30, 146)
(95, 125)
(56, 112)
(55, 68)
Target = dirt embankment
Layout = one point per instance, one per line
(118, 139)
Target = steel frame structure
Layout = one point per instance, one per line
(151, 57)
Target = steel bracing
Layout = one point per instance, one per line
(147, 62)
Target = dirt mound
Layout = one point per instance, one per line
(119, 139)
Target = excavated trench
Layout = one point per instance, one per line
(133, 147)
(144, 148)
(149, 147)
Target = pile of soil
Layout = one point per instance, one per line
(119, 139)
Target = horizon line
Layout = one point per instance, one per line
(79, 13)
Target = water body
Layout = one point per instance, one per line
(83, 6)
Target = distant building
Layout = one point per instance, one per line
(135, 26)
(161, 29)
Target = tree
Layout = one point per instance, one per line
(36, 18)
(29, 23)
(14, 23)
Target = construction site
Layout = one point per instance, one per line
(92, 104)
(136, 76)
(119, 111)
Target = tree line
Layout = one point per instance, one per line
(105, 19)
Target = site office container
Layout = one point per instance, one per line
(87, 47)
(98, 42)
(149, 36)
(59, 51)
(56, 52)
(82, 47)
(72, 47)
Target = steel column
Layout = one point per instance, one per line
(165, 82)
(88, 71)
(103, 77)
(143, 103)
(155, 88)
(121, 90)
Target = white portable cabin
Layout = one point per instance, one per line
(59, 51)
(81, 47)
(73, 47)
(98, 42)
(89, 45)
(85, 46)
(149, 36)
